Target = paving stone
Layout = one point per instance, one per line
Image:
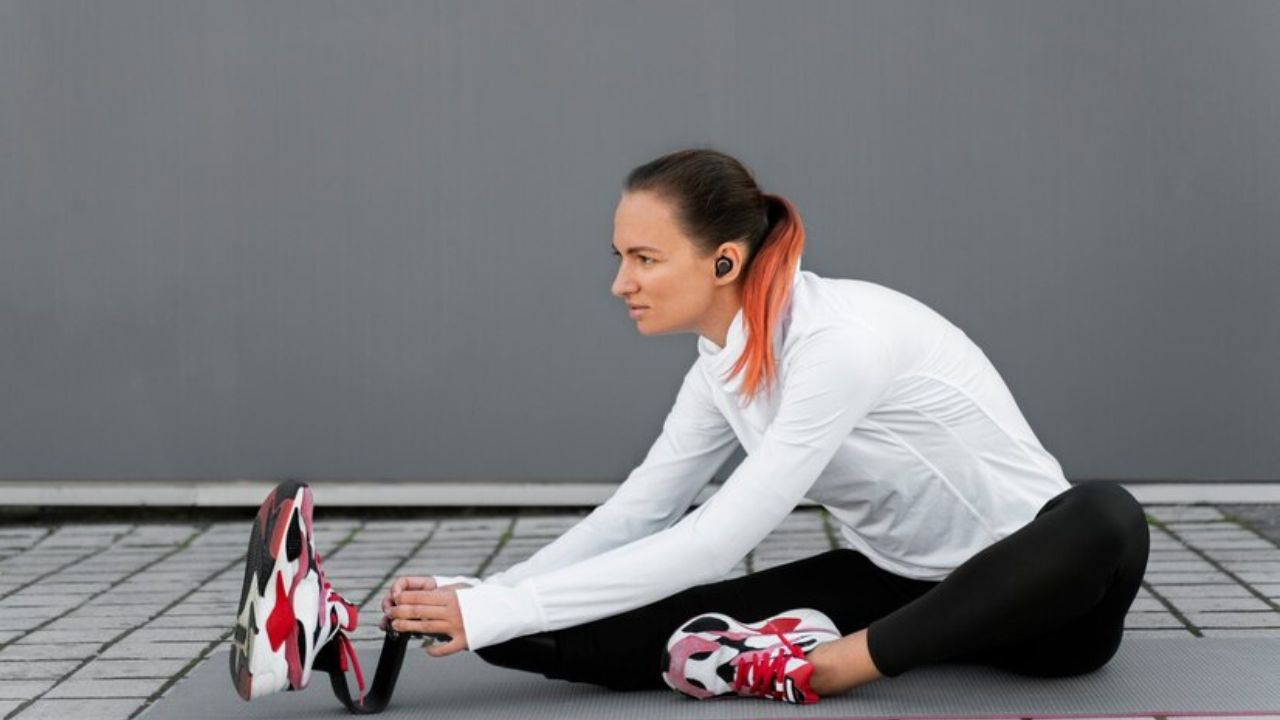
(61, 637)
(211, 598)
(1151, 620)
(1251, 577)
(1219, 604)
(1178, 566)
(187, 634)
(1199, 524)
(416, 525)
(1183, 512)
(87, 575)
(127, 688)
(1241, 632)
(544, 525)
(8, 706)
(78, 590)
(1179, 553)
(119, 669)
(22, 599)
(185, 608)
(1234, 619)
(1253, 544)
(464, 525)
(36, 669)
(1217, 531)
(75, 621)
(17, 624)
(1162, 632)
(1259, 554)
(94, 609)
(126, 650)
(97, 709)
(1256, 566)
(23, 689)
(1218, 590)
(1191, 578)
(206, 620)
(34, 612)
(78, 651)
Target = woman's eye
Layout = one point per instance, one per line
(647, 260)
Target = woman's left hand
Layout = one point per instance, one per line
(431, 611)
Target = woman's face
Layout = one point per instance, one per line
(659, 267)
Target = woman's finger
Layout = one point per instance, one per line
(412, 582)
(419, 612)
(425, 597)
(423, 627)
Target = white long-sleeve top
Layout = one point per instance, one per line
(883, 412)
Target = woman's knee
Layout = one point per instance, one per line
(1113, 513)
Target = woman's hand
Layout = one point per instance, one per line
(417, 605)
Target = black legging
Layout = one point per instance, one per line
(1048, 600)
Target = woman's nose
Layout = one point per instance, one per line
(621, 283)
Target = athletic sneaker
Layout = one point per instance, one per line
(714, 654)
(288, 612)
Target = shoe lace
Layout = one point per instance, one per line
(346, 652)
(760, 671)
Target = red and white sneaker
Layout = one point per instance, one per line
(288, 610)
(714, 654)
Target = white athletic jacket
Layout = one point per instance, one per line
(888, 415)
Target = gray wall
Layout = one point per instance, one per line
(371, 240)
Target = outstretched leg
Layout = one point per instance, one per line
(624, 652)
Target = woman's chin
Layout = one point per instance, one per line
(644, 327)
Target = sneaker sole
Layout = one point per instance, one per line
(279, 537)
(807, 620)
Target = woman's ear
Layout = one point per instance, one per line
(730, 254)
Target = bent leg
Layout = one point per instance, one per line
(624, 651)
(1048, 599)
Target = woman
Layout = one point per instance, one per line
(966, 541)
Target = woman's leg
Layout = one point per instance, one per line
(1049, 599)
(624, 651)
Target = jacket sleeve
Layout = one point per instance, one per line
(834, 378)
(694, 442)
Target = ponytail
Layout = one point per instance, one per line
(765, 292)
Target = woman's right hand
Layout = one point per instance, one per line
(403, 584)
(412, 583)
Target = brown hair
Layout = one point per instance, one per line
(717, 200)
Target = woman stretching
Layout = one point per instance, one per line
(964, 541)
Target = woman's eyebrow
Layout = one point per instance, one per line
(642, 248)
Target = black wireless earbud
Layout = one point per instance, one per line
(723, 266)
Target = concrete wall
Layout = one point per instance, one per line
(371, 240)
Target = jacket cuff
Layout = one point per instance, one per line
(492, 614)
(442, 580)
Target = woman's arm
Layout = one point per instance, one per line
(837, 376)
(694, 442)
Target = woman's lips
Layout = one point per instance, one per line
(636, 311)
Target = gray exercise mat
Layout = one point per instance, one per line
(1147, 676)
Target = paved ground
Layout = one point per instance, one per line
(99, 620)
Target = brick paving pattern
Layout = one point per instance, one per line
(100, 620)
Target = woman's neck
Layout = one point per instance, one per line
(720, 316)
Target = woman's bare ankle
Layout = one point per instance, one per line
(842, 665)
